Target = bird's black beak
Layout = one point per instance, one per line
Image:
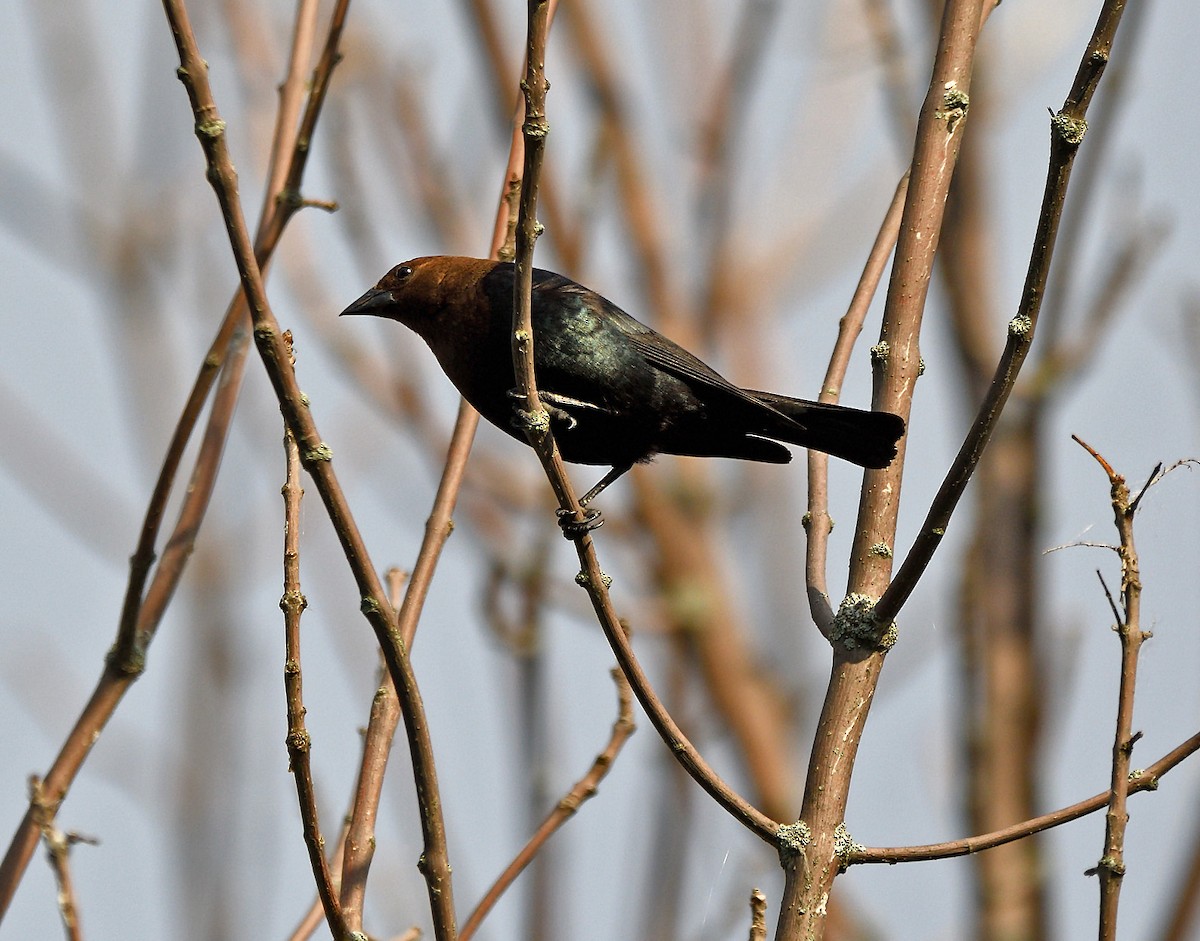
(375, 302)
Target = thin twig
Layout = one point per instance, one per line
(758, 916)
(58, 849)
(810, 854)
(143, 608)
(817, 522)
(1078, 218)
(743, 697)
(1067, 130)
(484, 18)
(316, 457)
(299, 743)
(593, 580)
(377, 746)
(1146, 779)
(584, 789)
(1111, 867)
(1112, 604)
(534, 130)
(440, 523)
(311, 920)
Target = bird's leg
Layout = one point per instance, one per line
(573, 528)
(609, 478)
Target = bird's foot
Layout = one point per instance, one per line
(523, 419)
(573, 528)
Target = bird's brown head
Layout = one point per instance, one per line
(421, 292)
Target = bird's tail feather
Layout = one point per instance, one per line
(861, 437)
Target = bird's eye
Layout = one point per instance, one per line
(402, 272)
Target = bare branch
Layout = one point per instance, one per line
(584, 789)
(758, 916)
(817, 522)
(316, 456)
(58, 849)
(809, 857)
(591, 577)
(143, 608)
(1111, 867)
(1146, 779)
(1067, 130)
(299, 743)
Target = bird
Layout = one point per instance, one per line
(618, 392)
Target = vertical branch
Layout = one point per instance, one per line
(359, 847)
(758, 916)
(316, 457)
(685, 542)
(143, 607)
(591, 578)
(811, 858)
(58, 848)
(1067, 128)
(817, 522)
(534, 130)
(299, 743)
(940, 129)
(1111, 868)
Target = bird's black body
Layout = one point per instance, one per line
(618, 392)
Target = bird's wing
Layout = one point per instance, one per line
(674, 359)
(651, 345)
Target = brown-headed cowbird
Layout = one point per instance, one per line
(617, 392)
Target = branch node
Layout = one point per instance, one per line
(1020, 326)
(210, 129)
(584, 581)
(322, 452)
(293, 601)
(1068, 130)
(369, 605)
(955, 104)
(1111, 864)
(807, 520)
(855, 625)
(131, 663)
(844, 845)
(298, 741)
(537, 129)
(791, 839)
(1137, 775)
(532, 421)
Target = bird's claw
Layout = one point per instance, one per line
(573, 528)
(524, 418)
(559, 414)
